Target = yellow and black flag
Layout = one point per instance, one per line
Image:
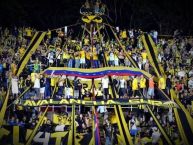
(35, 42)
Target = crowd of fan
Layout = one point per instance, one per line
(175, 55)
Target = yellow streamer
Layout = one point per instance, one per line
(3, 109)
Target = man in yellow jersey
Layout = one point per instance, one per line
(135, 86)
(53, 83)
(82, 58)
(144, 57)
(86, 41)
(124, 35)
(21, 51)
(162, 83)
(142, 85)
(65, 57)
(28, 32)
(13, 67)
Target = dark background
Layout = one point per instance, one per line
(162, 15)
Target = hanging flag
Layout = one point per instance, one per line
(37, 39)
(94, 73)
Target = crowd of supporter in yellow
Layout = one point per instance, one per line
(58, 50)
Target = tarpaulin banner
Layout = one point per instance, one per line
(122, 102)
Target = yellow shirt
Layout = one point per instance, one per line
(124, 34)
(129, 53)
(144, 55)
(94, 49)
(107, 56)
(53, 82)
(82, 54)
(71, 92)
(162, 83)
(172, 71)
(142, 83)
(86, 41)
(66, 55)
(21, 51)
(28, 32)
(135, 84)
(95, 56)
(113, 119)
(13, 68)
(99, 93)
(88, 55)
(33, 77)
